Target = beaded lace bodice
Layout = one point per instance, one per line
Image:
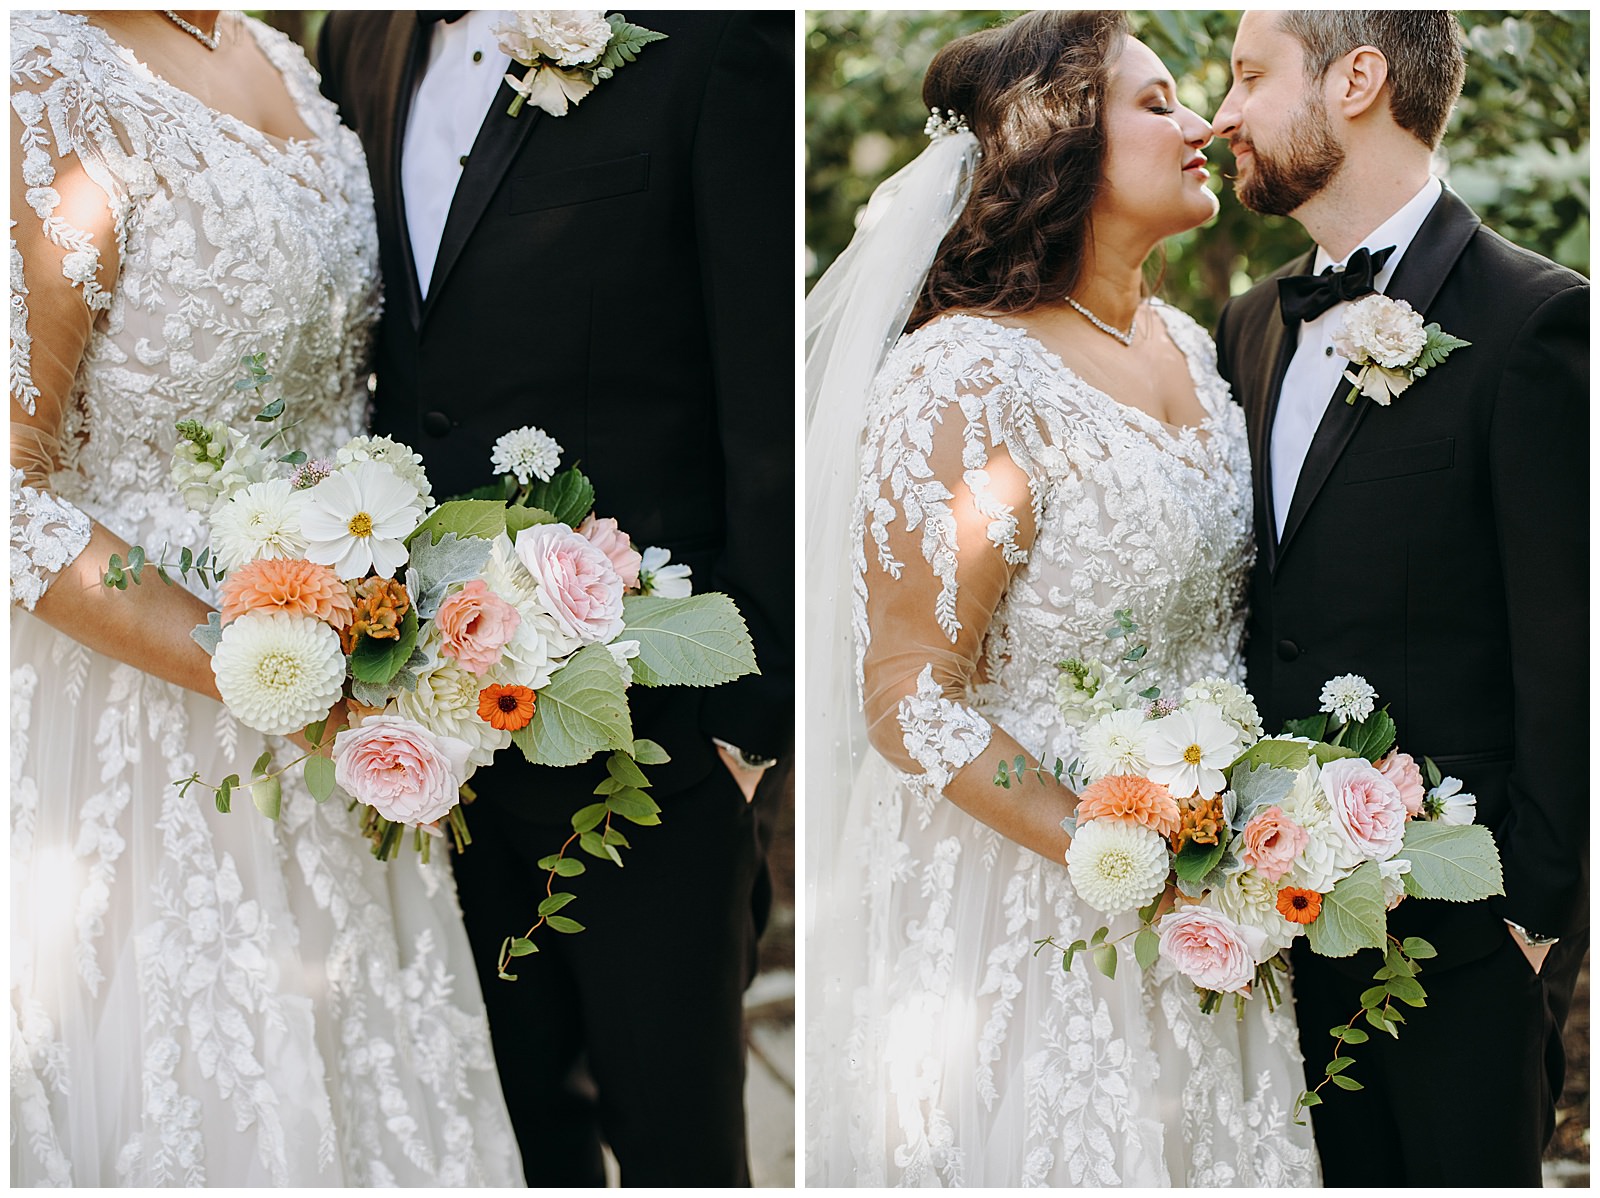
(229, 241)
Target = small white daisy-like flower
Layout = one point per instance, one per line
(1349, 697)
(260, 521)
(659, 579)
(1188, 750)
(1116, 865)
(1114, 744)
(405, 461)
(278, 672)
(528, 453)
(358, 518)
(1446, 804)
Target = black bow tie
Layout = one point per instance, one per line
(1306, 297)
(428, 16)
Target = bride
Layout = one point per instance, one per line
(1043, 447)
(196, 998)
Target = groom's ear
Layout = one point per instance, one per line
(1358, 79)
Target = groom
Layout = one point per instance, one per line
(1438, 547)
(622, 277)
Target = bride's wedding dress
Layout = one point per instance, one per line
(941, 1050)
(200, 998)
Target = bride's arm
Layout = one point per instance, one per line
(63, 264)
(952, 518)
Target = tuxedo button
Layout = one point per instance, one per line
(436, 424)
(1288, 650)
(1327, 351)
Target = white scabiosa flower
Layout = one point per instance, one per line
(1348, 698)
(357, 520)
(405, 461)
(263, 520)
(528, 453)
(1114, 744)
(1189, 749)
(446, 702)
(658, 578)
(1116, 865)
(277, 673)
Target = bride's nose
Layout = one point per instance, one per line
(1196, 130)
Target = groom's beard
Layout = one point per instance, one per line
(1282, 182)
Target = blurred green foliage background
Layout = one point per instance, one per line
(1517, 148)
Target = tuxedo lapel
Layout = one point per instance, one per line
(403, 51)
(1277, 348)
(1416, 280)
(499, 138)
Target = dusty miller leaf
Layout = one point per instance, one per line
(436, 566)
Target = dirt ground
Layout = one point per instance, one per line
(1571, 1143)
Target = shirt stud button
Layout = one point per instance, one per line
(464, 163)
(1327, 351)
(477, 56)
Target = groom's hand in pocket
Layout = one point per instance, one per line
(747, 777)
(1536, 953)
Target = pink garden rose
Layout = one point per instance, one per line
(474, 625)
(1272, 841)
(614, 543)
(409, 774)
(1210, 949)
(1367, 808)
(1402, 771)
(578, 585)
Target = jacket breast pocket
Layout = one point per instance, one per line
(580, 184)
(1397, 460)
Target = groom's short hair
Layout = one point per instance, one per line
(1422, 46)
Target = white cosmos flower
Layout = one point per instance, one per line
(622, 652)
(1114, 744)
(261, 521)
(528, 453)
(1116, 865)
(1448, 805)
(1188, 749)
(278, 672)
(357, 520)
(1392, 874)
(1349, 698)
(658, 578)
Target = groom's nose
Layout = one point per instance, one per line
(1226, 122)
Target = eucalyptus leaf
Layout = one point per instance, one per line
(267, 795)
(521, 947)
(319, 771)
(1105, 960)
(209, 635)
(561, 923)
(1146, 947)
(555, 902)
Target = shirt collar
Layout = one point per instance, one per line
(1399, 231)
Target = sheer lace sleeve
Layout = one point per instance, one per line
(66, 244)
(949, 507)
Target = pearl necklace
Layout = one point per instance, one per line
(208, 40)
(1125, 338)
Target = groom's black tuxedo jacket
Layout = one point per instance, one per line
(1439, 548)
(622, 277)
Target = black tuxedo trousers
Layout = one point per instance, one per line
(1439, 548)
(622, 277)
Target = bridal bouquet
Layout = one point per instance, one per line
(1317, 832)
(452, 631)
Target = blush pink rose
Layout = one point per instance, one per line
(407, 773)
(614, 543)
(1210, 949)
(1366, 806)
(1272, 841)
(474, 625)
(1402, 771)
(578, 585)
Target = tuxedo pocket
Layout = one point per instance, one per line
(580, 184)
(1396, 461)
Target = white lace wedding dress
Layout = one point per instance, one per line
(199, 998)
(940, 1050)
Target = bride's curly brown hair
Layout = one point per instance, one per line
(1033, 92)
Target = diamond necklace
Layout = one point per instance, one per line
(1125, 338)
(208, 40)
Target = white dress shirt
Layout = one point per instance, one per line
(1316, 366)
(459, 79)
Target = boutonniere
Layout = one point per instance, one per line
(567, 52)
(1393, 348)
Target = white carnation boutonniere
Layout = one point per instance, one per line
(1387, 340)
(567, 52)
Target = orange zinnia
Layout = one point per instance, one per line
(1299, 906)
(291, 586)
(1130, 797)
(506, 707)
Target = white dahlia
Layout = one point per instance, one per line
(278, 672)
(528, 453)
(261, 521)
(446, 702)
(1248, 898)
(1114, 744)
(1116, 865)
(357, 520)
